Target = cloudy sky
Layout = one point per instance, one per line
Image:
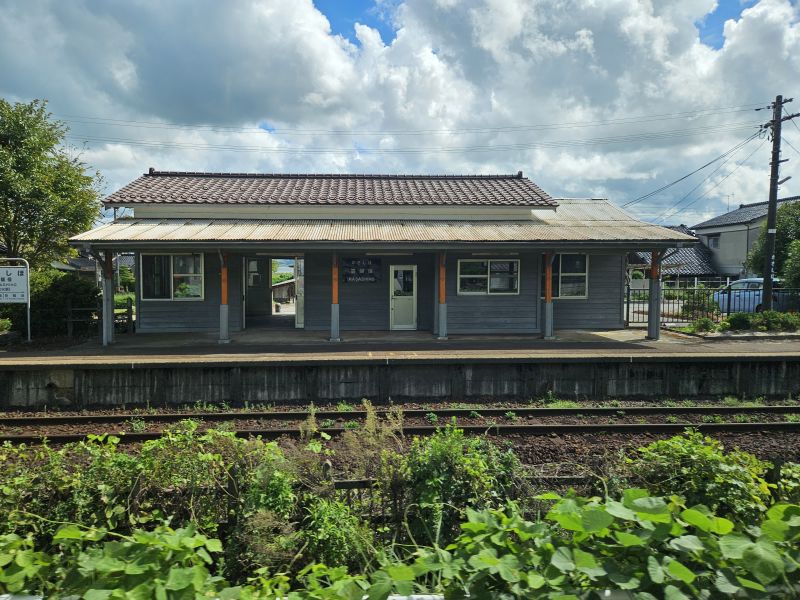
(589, 98)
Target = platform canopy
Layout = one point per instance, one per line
(575, 223)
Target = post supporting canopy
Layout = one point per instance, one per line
(335, 337)
(654, 299)
(548, 327)
(442, 295)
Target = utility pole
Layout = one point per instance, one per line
(772, 207)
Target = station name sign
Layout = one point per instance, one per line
(361, 270)
(13, 285)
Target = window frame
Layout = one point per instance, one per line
(487, 276)
(715, 237)
(560, 274)
(172, 256)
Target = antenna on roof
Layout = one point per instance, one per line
(519, 174)
(151, 170)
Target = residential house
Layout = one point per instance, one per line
(731, 236)
(444, 254)
(689, 264)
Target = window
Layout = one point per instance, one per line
(570, 276)
(172, 276)
(713, 241)
(496, 277)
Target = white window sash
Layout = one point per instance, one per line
(487, 277)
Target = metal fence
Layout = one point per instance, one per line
(686, 305)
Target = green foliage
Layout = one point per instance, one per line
(704, 324)
(788, 488)
(699, 303)
(126, 278)
(788, 230)
(791, 268)
(5, 325)
(636, 274)
(445, 473)
(278, 277)
(649, 546)
(769, 320)
(46, 196)
(698, 468)
(334, 535)
(121, 300)
(739, 321)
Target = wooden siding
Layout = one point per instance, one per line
(202, 315)
(495, 313)
(363, 306)
(603, 309)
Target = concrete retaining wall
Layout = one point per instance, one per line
(97, 385)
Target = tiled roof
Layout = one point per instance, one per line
(163, 187)
(746, 213)
(579, 221)
(695, 260)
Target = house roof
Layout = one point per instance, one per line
(575, 220)
(746, 213)
(167, 187)
(693, 260)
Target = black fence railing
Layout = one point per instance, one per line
(686, 305)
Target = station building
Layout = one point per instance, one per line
(466, 254)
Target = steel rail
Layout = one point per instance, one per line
(532, 430)
(299, 415)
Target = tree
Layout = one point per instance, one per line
(788, 230)
(791, 268)
(46, 195)
(126, 278)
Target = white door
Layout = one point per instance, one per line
(403, 296)
(300, 293)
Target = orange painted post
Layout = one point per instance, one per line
(335, 298)
(442, 284)
(224, 324)
(549, 328)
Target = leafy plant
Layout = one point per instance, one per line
(5, 325)
(704, 324)
(432, 418)
(698, 468)
(333, 535)
(344, 407)
(137, 424)
(511, 415)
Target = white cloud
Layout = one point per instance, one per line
(220, 68)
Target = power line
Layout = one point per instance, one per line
(639, 137)
(711, 162)
(88, 120)
(664, 216)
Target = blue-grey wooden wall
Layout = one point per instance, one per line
(603, 309)
(193, 315)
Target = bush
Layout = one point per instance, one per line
(697, 468)
(699, 303)
(788, 489)
(333, 535)
(443, 474)
(5, 325)
(740, 321)
(704, 324)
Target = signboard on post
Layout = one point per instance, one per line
(15, 285)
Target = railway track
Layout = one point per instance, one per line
(495, 429)
(299, 415)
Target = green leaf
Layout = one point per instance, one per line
(687, 543)
(508, 568)
(214, 545)
(697, 519)
(69, 532)
(97, 594)
(180, 578)
(752, 585)
(725, 582)
(679, 571)
(733, 545)
(763, 560)
(594, 520)
(562, 560)
(400, 573)
(381, 586)
(628, 539)
(673, 593)
(586, 563)
(534, 580)
(654, 570)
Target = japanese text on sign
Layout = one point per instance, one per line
(13, 285)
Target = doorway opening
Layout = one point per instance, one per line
(273, 291)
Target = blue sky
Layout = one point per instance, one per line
(343, 15)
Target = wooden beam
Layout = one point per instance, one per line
(655, 264)
(108, 264)
(335, 279)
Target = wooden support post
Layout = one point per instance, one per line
(548, 328)
(442, 286)
(654, 300)
(335, 298)
(108, 298)
(224, 324)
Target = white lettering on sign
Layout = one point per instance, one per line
(13, 285)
